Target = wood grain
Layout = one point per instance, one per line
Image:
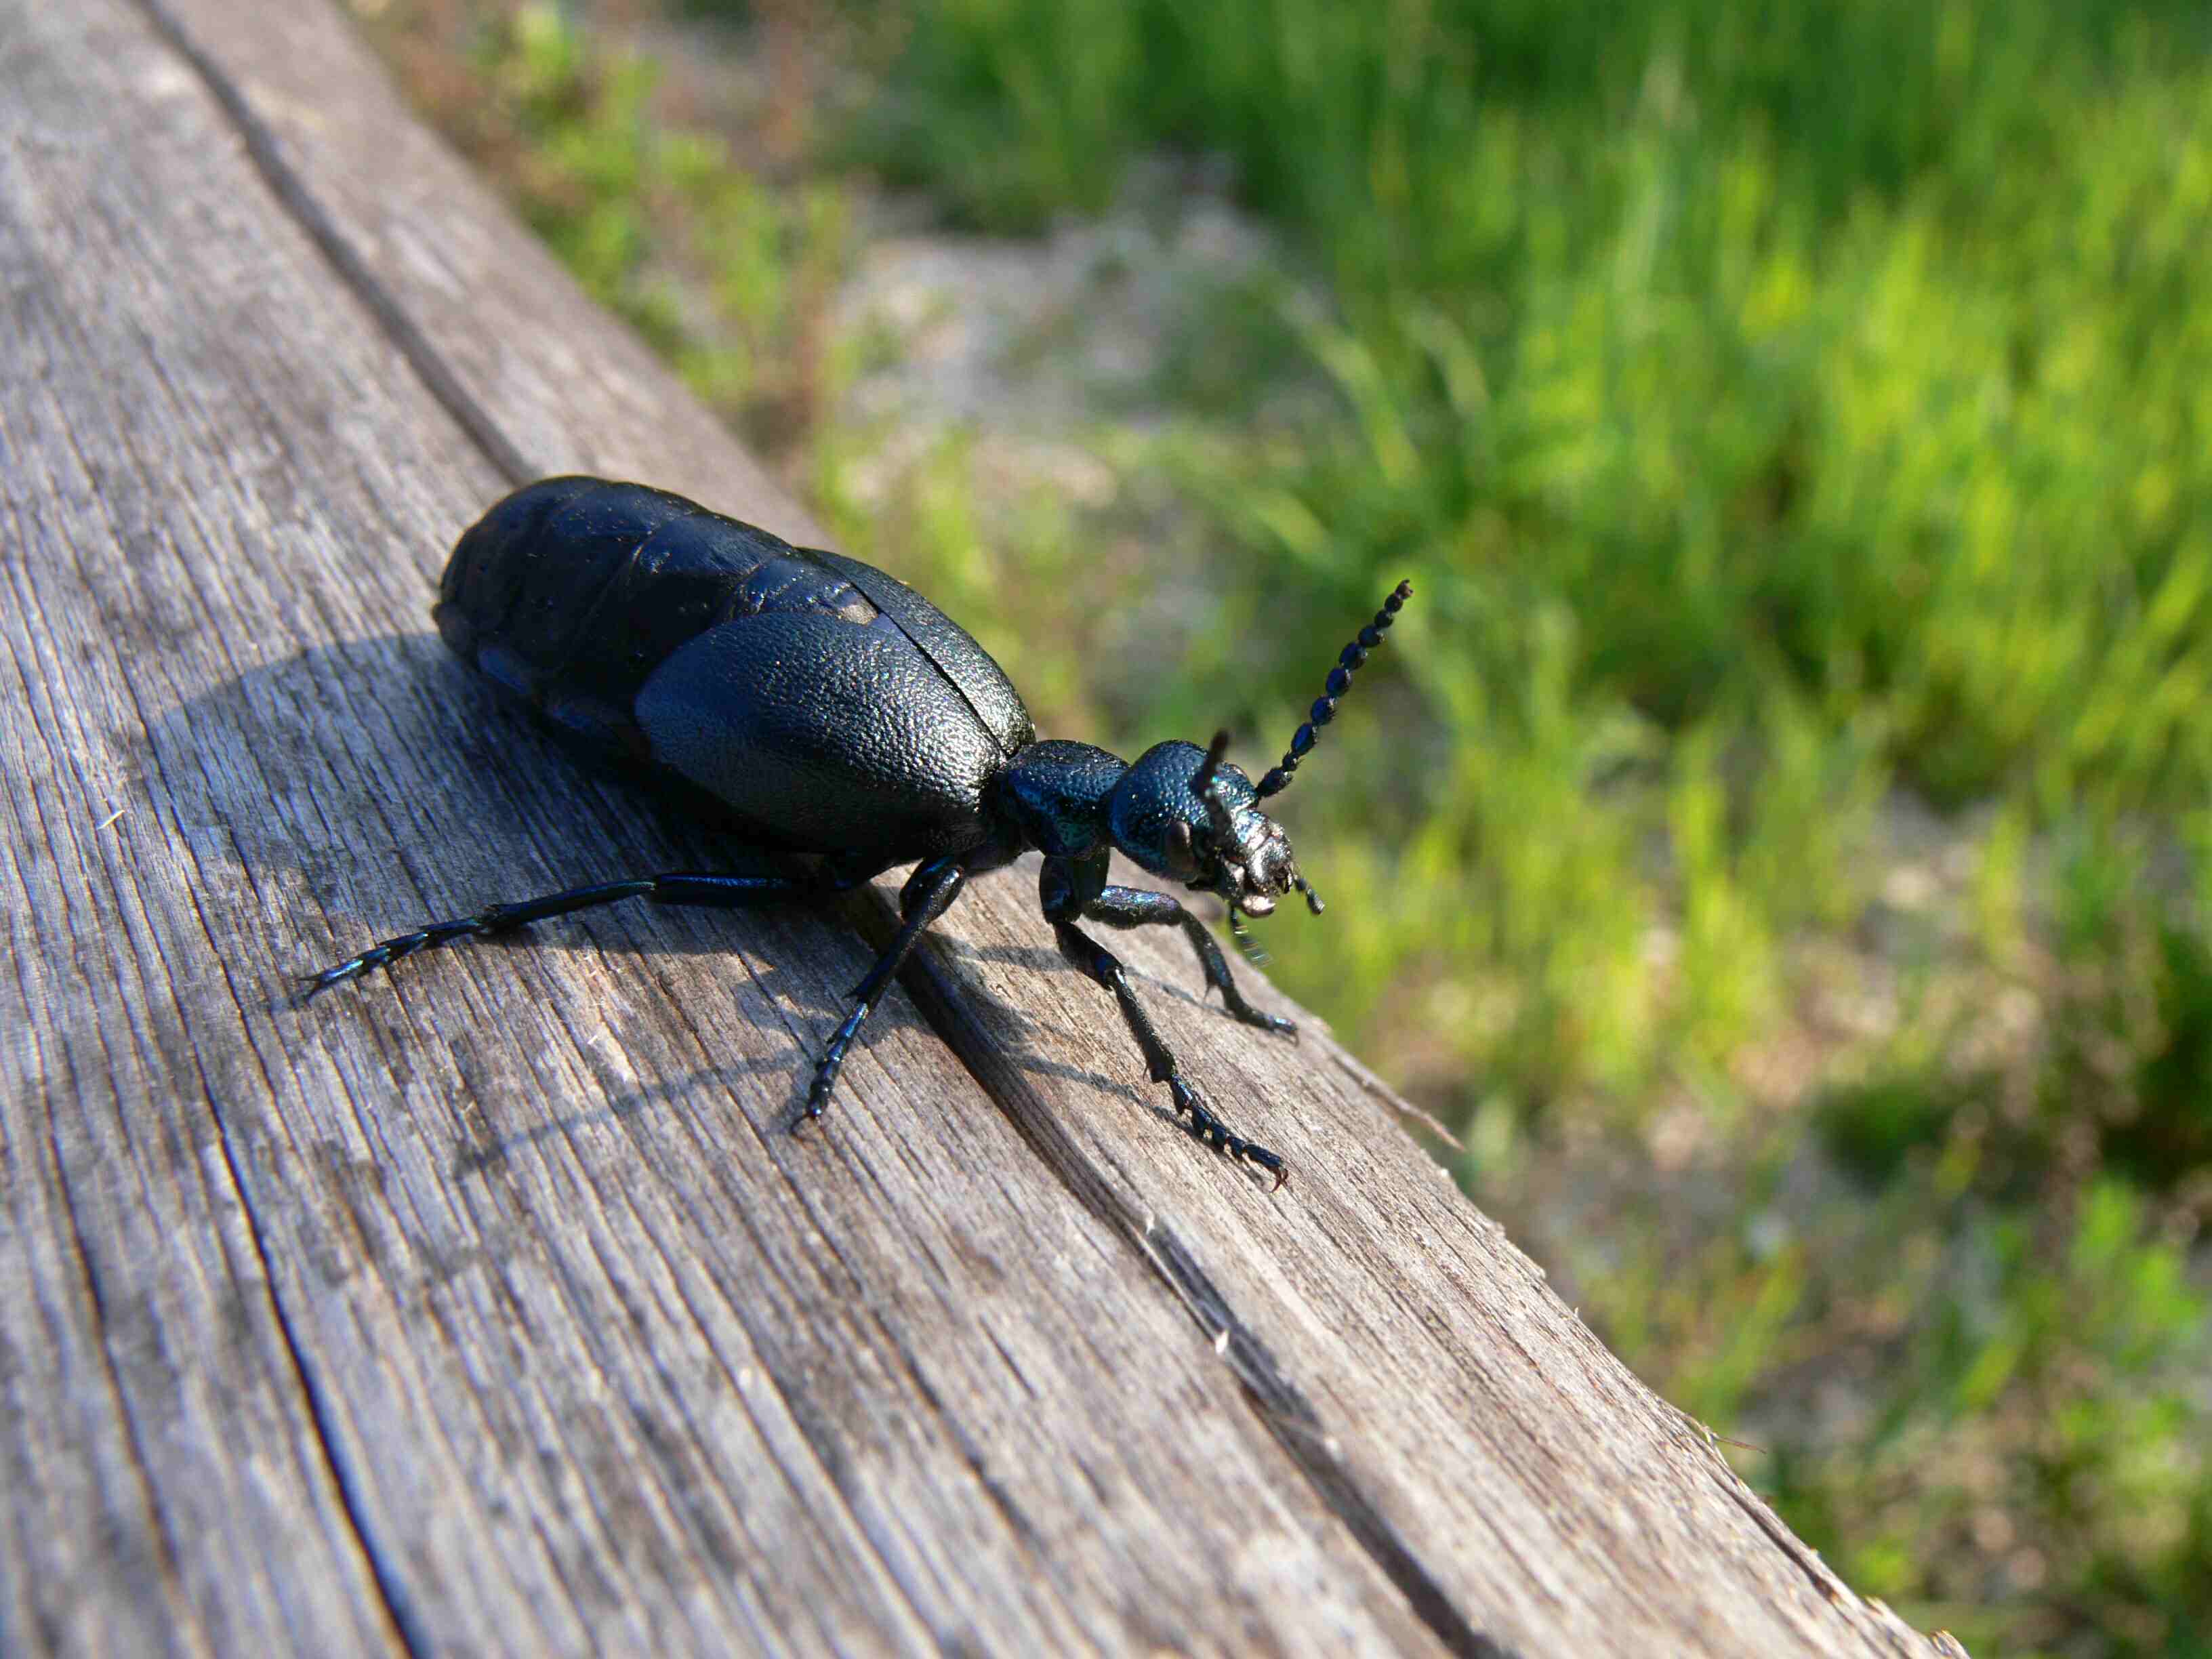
(497, 1308)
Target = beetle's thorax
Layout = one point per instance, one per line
(1051, 795)
(1074, 800)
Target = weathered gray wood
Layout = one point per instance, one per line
(574, 1316)
(495, 1308)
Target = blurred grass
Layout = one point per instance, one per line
(725, 271)
(1779, 832)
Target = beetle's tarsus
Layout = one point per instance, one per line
(712, 890)
(1136, 907)
(378, 956)
(1202, 1125)
(1234, 1004)
(1125, 908)
(833, 1059)
(493, 919)
(308, 986)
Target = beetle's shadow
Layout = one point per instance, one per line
(715, 1084)
(1045, 959)
(343, 760)
(353, 777)
(327, 769)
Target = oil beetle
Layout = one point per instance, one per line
(841, 724)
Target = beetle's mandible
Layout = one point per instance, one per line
(841, 725)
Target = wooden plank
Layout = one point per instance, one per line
(539, 377)
(565, 1342)
(497, 1309)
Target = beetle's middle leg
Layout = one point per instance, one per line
(713, 888)
(927, 895)
(1139, 907)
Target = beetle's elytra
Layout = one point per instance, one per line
(840, 725)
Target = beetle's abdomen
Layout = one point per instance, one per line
(661, 637)
(829, 738)
(571, 592)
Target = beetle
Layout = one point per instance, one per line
(841, 724)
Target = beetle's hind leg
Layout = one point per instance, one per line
(1138, 907)
(712, 889)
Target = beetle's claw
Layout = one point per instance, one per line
(314, 985)
(810, 1109)
(1259, 1158)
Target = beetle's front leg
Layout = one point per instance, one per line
(1138, 907)
(1063, 888)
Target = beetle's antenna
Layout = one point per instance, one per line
(1250, 951)
(1340, 682)
(1207, 783)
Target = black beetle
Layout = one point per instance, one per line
(842, 724)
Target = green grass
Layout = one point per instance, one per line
(1777, 408)
(1785, 413)
(725, 272)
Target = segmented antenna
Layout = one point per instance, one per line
(1207, 784)
(1251, 953)
(1324, 709)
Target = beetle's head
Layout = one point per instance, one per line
(1184, 813)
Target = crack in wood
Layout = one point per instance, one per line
(436, 374)
(1282, 1406)
(1290, 1417)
